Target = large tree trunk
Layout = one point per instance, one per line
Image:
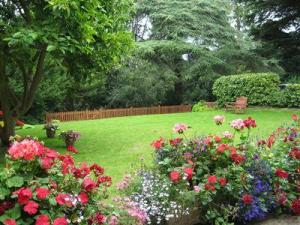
(8, 130)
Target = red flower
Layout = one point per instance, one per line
(250, 123)
(42, 220)
(175, 141)
(238, 159)
(209, 187)
(295, 153)
(281, 173)
(104, 179)
(296, 206)
(221, 148)
(189, 173)
(71, 148)
(24, 195)
(83, 198)
(20, 123)
(247, 199)
(158, 143)
(81, 172)
(67, 163)
(212, 179)
(42, 193)
(60, 221)
(271, 141)
(281, 198)
(218, 139)
(88, 184)
(10, 222)
(175, 176)
(98, 170)
(63, 199)
(31, 208)
(295, 117)
(97, 218)
(223, 181)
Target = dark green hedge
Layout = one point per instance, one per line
(291, 96)
(258, 87)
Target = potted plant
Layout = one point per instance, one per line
(51, 128)
(70, 137)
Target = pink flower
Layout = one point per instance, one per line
(175, 176)
(42, 220)
(197, 189)
(88, 184)
(237, 124)
(219, 120)
(60, 221)
(250, 123)
(71, 148)
(113, 220)
(180, 128)
(24, 195)
(223, 181)
(10, 222)
(26, 149)
(228, 135)
(64, 199)
(31, 208)
(188, 173)
(212, 179)
(295, 117)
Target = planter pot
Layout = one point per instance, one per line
(281, 220)
(50, 133)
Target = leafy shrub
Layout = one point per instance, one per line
(234, 178)
(257, 87)
(40, 186)
(200, 107)
(291, 95)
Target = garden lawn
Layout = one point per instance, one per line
(119, 144)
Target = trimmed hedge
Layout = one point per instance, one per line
(291, 95)
(259, 88)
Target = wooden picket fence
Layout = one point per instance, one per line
(109, 113)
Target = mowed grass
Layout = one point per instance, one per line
(119, 144)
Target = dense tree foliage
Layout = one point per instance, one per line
(79, 37)
(277, 25)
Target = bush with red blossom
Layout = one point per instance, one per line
(233, 178)
(42, 187)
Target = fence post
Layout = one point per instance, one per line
(159, 109)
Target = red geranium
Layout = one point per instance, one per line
(24, 195)
(238, 159)
(42, 193)
(281, 173)
(88, 184)
(158, 143)
(247, 199)
(97, 218)
(250, 123)
(71, 148)
(175, 176)
(104, 179)
(221, 148)
(10, 222)
(60, 221)
(189, 173)
(223, 181)
(212, 179)
(218, 139)
(296, 206)
(295, 153)
(209, 187)
(47, 163)
(175, 141)
(63, 199)
(98, 170)
(42, 220)
(83, 198)
(31, 208)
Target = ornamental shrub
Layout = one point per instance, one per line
(291, 95)
(257, 87)
(42, 187)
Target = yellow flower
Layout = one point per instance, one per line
(1, 124)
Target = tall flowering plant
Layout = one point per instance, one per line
(42, 187)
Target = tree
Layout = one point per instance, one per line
(82, 37)
(276, 23)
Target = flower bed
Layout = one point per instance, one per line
(231, 178)
(42, 187)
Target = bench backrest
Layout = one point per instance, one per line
(241, 102)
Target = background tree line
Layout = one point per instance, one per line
(181, 48)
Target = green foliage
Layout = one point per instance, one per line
(200, 107)
(258, 88)
(291, 95)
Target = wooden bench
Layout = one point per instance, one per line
(239, 106)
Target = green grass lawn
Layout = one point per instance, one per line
(118, 144)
